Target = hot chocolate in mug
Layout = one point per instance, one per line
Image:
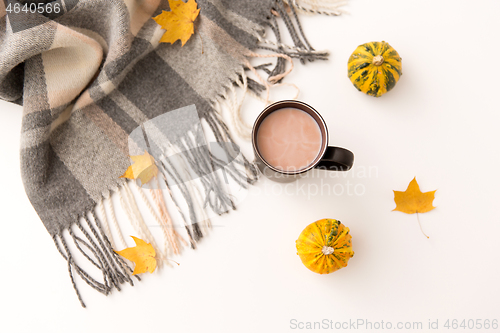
(290, 138)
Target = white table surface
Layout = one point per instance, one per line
(440, 124)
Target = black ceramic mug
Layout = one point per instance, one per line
(328, 158)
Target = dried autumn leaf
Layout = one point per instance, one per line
(179, 21)
(144, 168)
(143, 254)
(414, 201)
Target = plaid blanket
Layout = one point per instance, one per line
(95, 85)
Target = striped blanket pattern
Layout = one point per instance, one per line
(90, 75)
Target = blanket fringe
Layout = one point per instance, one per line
(129, 206)
(321, 7)
(171, 236)
(301, 49)
(115, 223)
(167, 227)
(172, 239)
(201, 184)
(194, 170)
(97, 249)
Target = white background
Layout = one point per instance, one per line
(438, 124)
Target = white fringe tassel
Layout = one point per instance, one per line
(322, 7)
(129, 205)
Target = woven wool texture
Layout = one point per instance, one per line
(92, 74)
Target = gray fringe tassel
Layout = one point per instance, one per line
(202, 163)
(302, 50)
(98, 251)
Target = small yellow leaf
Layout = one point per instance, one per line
(413, 200)
(144, 168)
(179, 21)
(143, 254)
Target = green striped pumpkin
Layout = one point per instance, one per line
(374, 68)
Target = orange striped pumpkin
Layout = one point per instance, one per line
(325, 246)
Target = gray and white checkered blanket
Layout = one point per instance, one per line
(93, 72)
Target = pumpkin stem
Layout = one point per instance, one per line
(378, 60)
(327, 250)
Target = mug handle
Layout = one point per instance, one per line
(336, 159)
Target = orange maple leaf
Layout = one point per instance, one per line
(143, 254)
(144, 168)
(179, 21)
(414, 201)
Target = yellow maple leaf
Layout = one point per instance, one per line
(143, 254)
(413, 200)
(179, 21)
(144, 168)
